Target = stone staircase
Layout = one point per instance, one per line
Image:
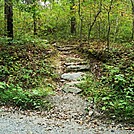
(74, 68)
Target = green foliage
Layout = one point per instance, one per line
(120, 79)
(109, 100)
(26, 74)
(25, 65)
(113, 92)
(54, 22)
(16, 96)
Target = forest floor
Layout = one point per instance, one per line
(69, 114)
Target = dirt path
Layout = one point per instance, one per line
(69, 114)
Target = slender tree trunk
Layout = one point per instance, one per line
(95, 18)
(73, 19)
(9, 18)
(34, 24)
(109, 25)
(91, 26)
(73, 25)
(34, 19)
(80, 17)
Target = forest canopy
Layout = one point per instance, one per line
(93, 19)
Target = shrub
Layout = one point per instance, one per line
(16, 96)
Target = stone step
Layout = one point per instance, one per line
(75, 63)
(73, 83)
(74, 59)
(66, 52)
(69, 89)
(65, 48)
(74, 76)
(78, 68)
(56, 44)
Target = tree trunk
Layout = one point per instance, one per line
(95, 18)
(73, 25)
(34, 23)
(34, 18)
(73, 19)
(80, 17)
(109, 25)
(9, 18)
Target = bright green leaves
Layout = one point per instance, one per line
(15, 95)
(113, 92)
(25, 65)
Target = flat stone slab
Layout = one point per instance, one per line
(73, 83)
(65, 48)
(75, 63)
(78, 68)
(74, 59)
(74, 90)
(72, 76)
(67, 52)
(69, 89)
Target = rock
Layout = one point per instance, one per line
(90, 113)
(67, 52)
(65, 48)
(75, 63)
(48, 128)
(70, 87)
(74, 59)
(101, 129)
(74, 90)
(72, 76)
(62, 80)
(73, 83)
(78, 68)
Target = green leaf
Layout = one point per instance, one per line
(103, 108)
(105, 98)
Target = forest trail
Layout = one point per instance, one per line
(69, 114)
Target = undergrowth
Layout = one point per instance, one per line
(26, 74)
(24, 99)
(113, 90)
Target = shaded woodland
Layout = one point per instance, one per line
(103, 31)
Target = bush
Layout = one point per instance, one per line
(113, 92)
(26, 73)
(121, 84)
(25, 65)
(16, 96)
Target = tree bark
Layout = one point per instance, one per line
(95, 18)
(109, 25)
(34, 18)
(34, 23)
(73, 19)
(80, 17)
(9, 18)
